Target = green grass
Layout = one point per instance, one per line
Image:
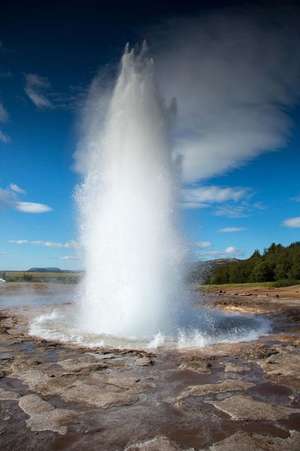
(278, 283)
(26, 276)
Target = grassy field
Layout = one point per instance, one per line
(249, 286)
(28, 276)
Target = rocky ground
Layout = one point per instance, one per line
(241, 397)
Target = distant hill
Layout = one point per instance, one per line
(50, 269)
(201, 270)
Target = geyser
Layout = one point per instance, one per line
(133, 293)
(127, 201)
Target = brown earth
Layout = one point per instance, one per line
(242, 396)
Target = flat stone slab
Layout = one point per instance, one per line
(33, 377)
(242, 407)
(96, 396)
(85, 362)
(229, 385)
(282, 364)
(143, 361)
(6, 395)
(45, 417)
(159, 443)
(241, 441)
(234, 368)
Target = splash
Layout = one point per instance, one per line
(127, 201)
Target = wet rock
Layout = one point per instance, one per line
(242, 441)
(242, 407)
(36, 379)
(6, 395)
(122, 380)
(234, 368)
(144, 361)
(45, 417)
(283, 363)
(6, 356)
(159, 443)
(93, 395)
(197, 364)
(208, 389)
(85, 362)
(258, 351)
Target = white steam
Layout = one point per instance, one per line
(235, 78)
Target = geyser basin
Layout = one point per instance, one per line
(206, 327)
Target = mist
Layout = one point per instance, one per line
(236, 78)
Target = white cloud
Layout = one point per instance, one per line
(241, 210)
(4, 137)
(200, 197)
(292, 222)
(70, 257)
(234, 82)
(39, 91)
(32, 207)
(231, 229)
(53, 244)
(35, 87)
(17, 189)
(18, 241)
(203, 244)
(229, 252)
(7, 198)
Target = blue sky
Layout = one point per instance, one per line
(47, 60)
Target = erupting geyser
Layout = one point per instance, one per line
(127, 201)
(133, 293)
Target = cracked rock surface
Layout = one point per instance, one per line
(224, 397)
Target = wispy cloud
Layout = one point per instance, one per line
(203, 244)
(16, 188)
(204, 196)
(292, 222)
(241, 210)
(36, 88)
(231, 229)
(39, 91)
(32, 207)
(4, 138)
(229, 252)
(3, 113)
(70, 257)
(52, 244)
(9, 198)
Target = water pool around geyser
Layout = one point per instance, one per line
(201, 327)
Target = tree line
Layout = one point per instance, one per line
(276, 263)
